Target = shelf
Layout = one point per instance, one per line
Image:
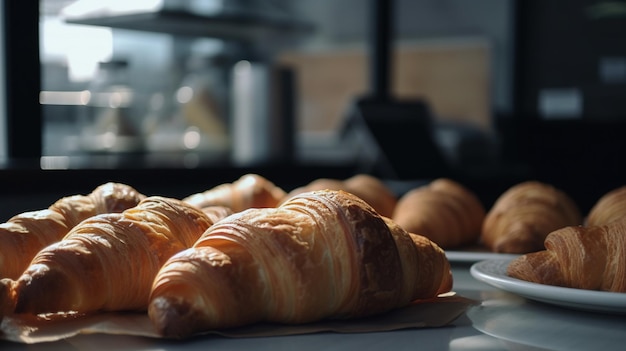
(229, 26)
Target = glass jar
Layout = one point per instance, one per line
(107, 124)
(201, 101)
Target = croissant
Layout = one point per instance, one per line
(23, 235)
(580, 257)
(215, 213)
(107, 262)
(250, 190)
(444, 211)
(369, 188)
(321, 254)
(525, 214)
(611, 206)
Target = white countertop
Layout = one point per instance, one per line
(502, 321)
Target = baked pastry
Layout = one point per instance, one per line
(369, 188)
(610, 207)
(525, 214)
(250, 190)
(321, 254)
(23, 235)
(108, 261)
(444, 211)
(592, 258)
(374, 191)
(215, 213)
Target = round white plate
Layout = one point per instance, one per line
(493, 272)
(475, 256)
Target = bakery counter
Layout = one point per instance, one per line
(489, 312)
(500, 321)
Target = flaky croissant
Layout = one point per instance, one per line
(580, 257)
(610, 207)
(369, 188)
(250, 190)
(525, 214)
(215, 213)
(107, 262)
(322, 254)
(23, 235)
(444, 211)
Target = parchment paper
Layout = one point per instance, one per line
(437, 312)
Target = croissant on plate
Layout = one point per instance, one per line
(610, 207)
(250, 190)
(369, 188)
(23, 235)
(321, 254)
(107, 262)
(525, 214)
(592, 258)
(444, 211)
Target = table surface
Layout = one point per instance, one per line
(502, 321)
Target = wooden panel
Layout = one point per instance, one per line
(453, 77)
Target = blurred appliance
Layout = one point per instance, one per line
(263, 114)
(571, 60)
(402, 130)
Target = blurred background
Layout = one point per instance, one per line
(176, 96)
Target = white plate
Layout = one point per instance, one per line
(493, 272)
(475, 256)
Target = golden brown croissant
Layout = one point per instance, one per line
(250, 190)
(525, 214)
(107, 262)
(215, 213)
(322, 254)
(369, 188)
(23, 235)
(444, 211)
(611, 206)
(374, 191)
(580, 257)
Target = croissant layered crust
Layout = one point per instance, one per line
(249, 191)
(108, 261)
(592, 258)
(23, 235)
(444, 211)
(107, 198)
(321, 254)
(369, 188)
(525, 214)
(610, 207)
